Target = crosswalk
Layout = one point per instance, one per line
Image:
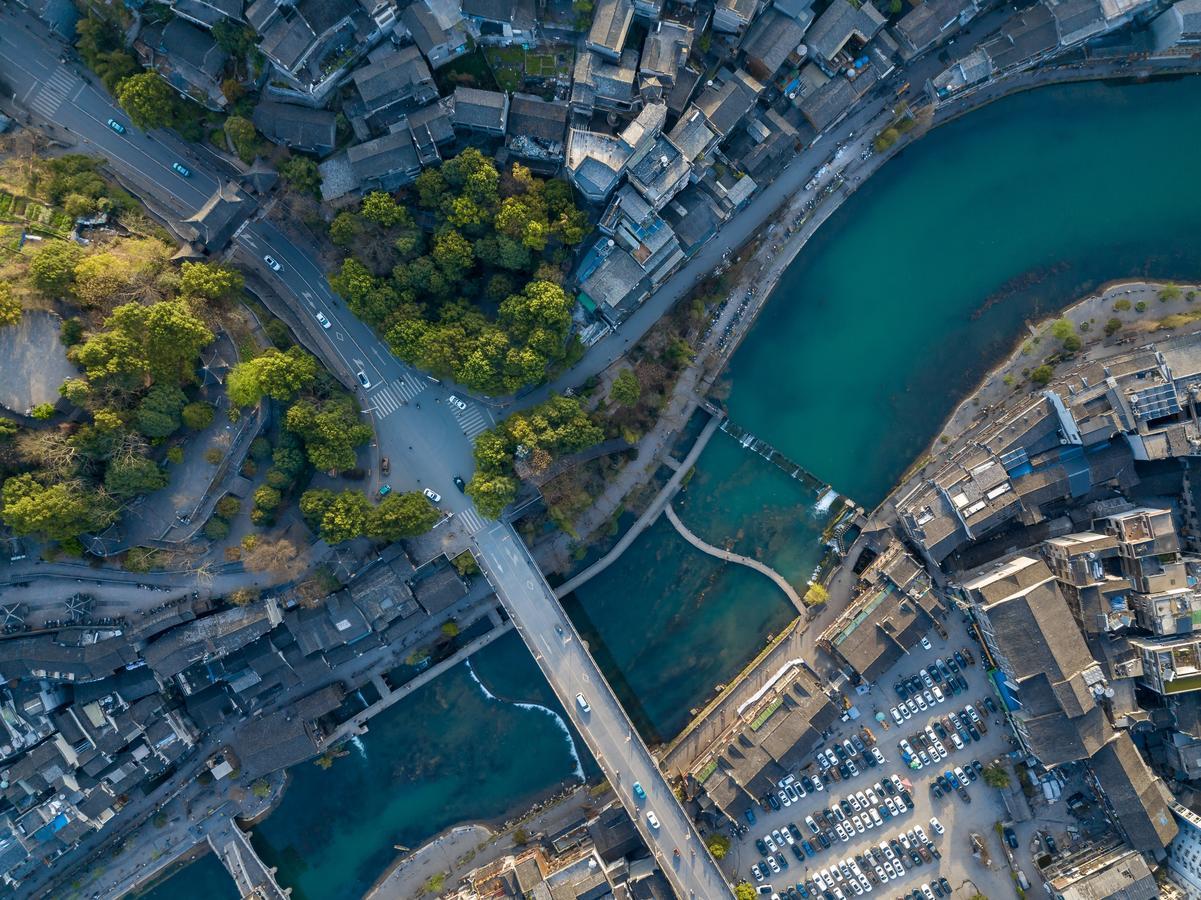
(472, 420)
(54, 93)
(471, 521)
(388, 398)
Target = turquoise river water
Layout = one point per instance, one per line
(890, 315)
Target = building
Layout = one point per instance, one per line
(298, 127)
(601, 84)
(638, 228)
(537, 131)
(1100, 874)
(596, 162)
(726, 102)
(214, 224)
(438, 42)
(391, 84)
(1137, 801)
(481, 112)
(1179, 26)
(187, 57)
(1184, 853)
(206, 13)
(841, 32)
(502, 22)
(660, 174)
(300, 39)
(773, 40)
(664, 53)
(931, 23)
(611, 21)
(733, 16)
(893, 606)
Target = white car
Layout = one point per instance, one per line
(864, 883)
(904, 839)
(771, 843)
(433, 496)
(936, 825)
(818, 784)
(906, 712)
(857, 821)
(882, 875)
(852, 767)
(939, 696)
(582, 703)
(912, 704)
(921, 833)
(778, 838)
(773, 865)
(872, 799)
(819, 878)
(942, 751)
(961, 775)
(841, 830)
(788, 837)
(784, 798)
(896, 782)
(876, 820)
(924, 757)
(325, 323)
(956, 740)
(896, 716)
(906, 747)
(921, 702)
(927, 893)
(757, 872)
(863, 801)
(931, 734)
(892, 806)
(877, 755)
(926, 679)
(364, 380)
(926, 643)
(455, 401)
(971, 713)
(275, 267)
(930, 701)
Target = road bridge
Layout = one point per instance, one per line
(253, 877)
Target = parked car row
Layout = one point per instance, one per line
(942, 679)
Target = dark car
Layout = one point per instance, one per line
(1051, 846)
(936, 790)
(959, 658)
(782, 860)
(935, 674)
(808, 848)
(796, 851)
(991, 704)
(824, 841)
(964, 795)
(773, 801)
(845, 806)
(979, 767)
(796, 832)
(844, 771)
(461, 484)
(385, 466)
(908, 798)
(902, 691)
(839, 752)
(1011, 837)
(946, 885)
(962, 682)
(871, 761)
(807, 783)
(761, 846)
(971, 729)
(939, 730)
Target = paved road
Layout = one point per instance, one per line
(606, 729)
(427, 439)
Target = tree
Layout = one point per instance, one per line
(275, 374)
(159, 413)
(302, 174)
(744, 891)
(197, 416)
(129, 476)
(279, 557)
(344, 231)
(492, 493)
(453, 254)
(1042, 375)
(58, 512)
(216, 529)
(148, 99)
(816, 595)
(314, 504)
(52, 269)
(346, 518)
(10, 307)
(160, 341)
(381, 207)
(996, 776)
(1062, 329)
(212, 282)
(718, 844)
(1072, 343)
(331, 431)
(626, 388)
(244, 138)
(234, 39)
(267, 498)
(402, 515)
(1169, 292)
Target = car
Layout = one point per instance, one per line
(851, 768)
(1051, 846)
(786, 833)
(584, 707)
(792, 793)
(876, 820)
(824, 840)
(830, 757)
(907, 798)
(750, 815)
(906, 712)
(927, 893)
(926, 679)
(385, 490)
(929, 698)
(639, 793)
(951, 664)
(777, 840)
(961, 681)
(116, 126)
(934, 673)
(1011, 837)
(911, 705)
(819, 878)
(784, 798)
(796, 851)
(896, 715)
(806, 782)
(782, 860)
(434, 496)
(990, 704)
(926, 645)
(939, 696)
(773, 802)
(901, 689)
(971, 713)
(945, 885)
(385, 466)
(863, 801)
(771, 843)
(809, 820)
(857, 741)
(857, 821)
(363, 379)
(456, 402)
(773, 865)
(818, 784)
(924, 757)
(978, 767)
(794, 831)
(841, 831)
(323, 321)
(971, 729)
(961, 659)
(182, 169)
(877, 755)
(963, 795)
(845, 805)
(971, 774)
(957, 740)
(921, 702)
(757, 872)
(460, 484)
(936, 825)
(272, 264)
(936, 790)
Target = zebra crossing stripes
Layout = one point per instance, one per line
(388, 398)
(471, 521)
(53, 93)
(473, 421)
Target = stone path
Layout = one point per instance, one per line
(730, 556)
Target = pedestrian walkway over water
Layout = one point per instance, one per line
(730, 556)
(253, 877)
(775, 457)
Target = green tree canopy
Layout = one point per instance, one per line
(52, 269)
(159, 342)
(402, 515)
(212, 282)
(148, 100)
(58, 512)
(129, 476)
(275, 374)
(626, 388)
(331, 430)
(301, 173)
(197, 416)
(159, 413)
(492, 493)
(346, 517)
(10, 307)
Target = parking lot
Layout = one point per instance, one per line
(878, 800)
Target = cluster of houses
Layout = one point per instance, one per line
(95, 719)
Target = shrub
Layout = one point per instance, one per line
(198, 415)
(42, 411)
(1042, 375)
(213, 456)
(1113, 326)
(175, 455)
(216, 529)
(260, 449)
(1072, 343)
(228, 506)
(1141, 306)
(1122, 305)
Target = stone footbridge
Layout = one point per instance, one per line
(729, 556)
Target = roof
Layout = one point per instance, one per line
(394, 76)
(486, 110)
(379, 159)
(493, 10)
(828, 103)
(1077, 20)
(184, 42)
(287, 736)
(692, 134)
(614, 279)
(693, 216)
(215, 222)
(1138, 797)
(666, 49)
(927, 22)
(726, 104)
(595, 161)
(296, 126)
(424, 27)
(211, 637)
(610, 25)
(287, 40)
(1119, 874)
(659, 173)
(59, 659)
(773, 38)
(541, 120)
(439, 589)
(1023, 37)
(841, 21)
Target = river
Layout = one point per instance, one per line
(889, 316)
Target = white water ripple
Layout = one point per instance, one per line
(575, 755)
